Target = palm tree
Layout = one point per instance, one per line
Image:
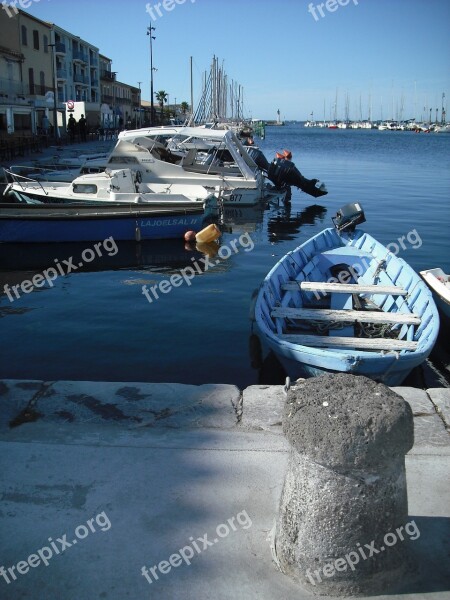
(161, 97)
(184, 107)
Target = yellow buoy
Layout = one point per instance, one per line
(208, 234)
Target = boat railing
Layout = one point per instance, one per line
(22, 178)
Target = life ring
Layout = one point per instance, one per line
(138, 177)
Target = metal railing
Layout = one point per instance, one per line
(78, 55)
(16, 179)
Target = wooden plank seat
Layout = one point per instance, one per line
(362, 316)
(343, 288)
(320, 341)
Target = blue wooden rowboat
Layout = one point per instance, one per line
(342, 302)
(42, 223)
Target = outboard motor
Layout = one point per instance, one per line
(258, 156)
(284, 173)
(348, 217)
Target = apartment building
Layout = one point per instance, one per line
(119, 101)
(77, 72)
(38, 58)
(26, 73)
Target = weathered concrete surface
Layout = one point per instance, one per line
(160, 486)
(262, 408)
(130, 404)
(441, 399)
(15, 396)
(345, 484)
(429, 429)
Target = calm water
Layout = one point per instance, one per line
(97, 325)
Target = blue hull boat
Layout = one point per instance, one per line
(342, 302)
(42, 223)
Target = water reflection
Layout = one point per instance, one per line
(152, 254)
(239, 219)
(270, 370)
(285, 224)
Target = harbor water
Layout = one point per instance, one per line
(95, 323)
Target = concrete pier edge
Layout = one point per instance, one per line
(170, 462)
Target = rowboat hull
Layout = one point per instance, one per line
(286, 309)
(307, 363)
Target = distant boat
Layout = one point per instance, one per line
(341, 302)
(442, 129)
(439, 283)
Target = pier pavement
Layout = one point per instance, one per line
(146, 475)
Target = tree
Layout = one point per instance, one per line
(184, 107)
(161, 97)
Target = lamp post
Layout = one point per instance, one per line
(152, 104)
(114, 74)
(140, 104)
(55, 116)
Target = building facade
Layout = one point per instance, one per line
(119, 101)
(43, 67)
(77, 72)
(26, 73)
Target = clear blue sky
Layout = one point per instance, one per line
(278, 51)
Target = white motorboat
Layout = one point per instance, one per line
(119, 185)
(213, 158)
(439, 283)
(442, 129)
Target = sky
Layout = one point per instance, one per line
(289, 55)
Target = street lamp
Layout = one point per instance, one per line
(152, 104)
(114, 75)
(140, 104)
(55, 117)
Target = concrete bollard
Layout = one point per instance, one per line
(345, 487)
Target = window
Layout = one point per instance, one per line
(84, 188)
(35, 39)
(24, 36)
(22, 122)
(45, 44)
(31, 80)
(42, 82)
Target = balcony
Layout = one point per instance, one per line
(60, 48)
(39, 90)
(80, 56)
(81, 79)
(94, 82)
(93, 61)
(61, 74)
(107, 99)
(108, 75)
(10, 86)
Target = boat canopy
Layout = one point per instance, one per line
(147, 138)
